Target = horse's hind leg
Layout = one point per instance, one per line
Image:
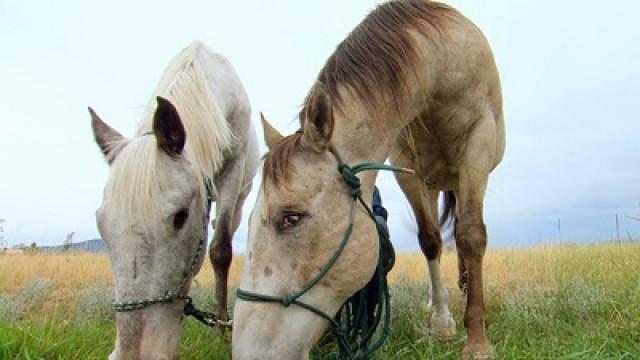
(424, 203)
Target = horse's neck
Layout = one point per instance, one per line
(359, 138)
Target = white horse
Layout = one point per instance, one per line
(198, 146)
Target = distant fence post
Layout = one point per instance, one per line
(559, 231)
(3, 244)
(618, 227)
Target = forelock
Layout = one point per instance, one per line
(277, 162)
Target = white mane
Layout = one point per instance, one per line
(136, 182)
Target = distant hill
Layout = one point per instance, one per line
(93, 245)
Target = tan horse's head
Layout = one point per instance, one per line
(299, 219)
(153, 221)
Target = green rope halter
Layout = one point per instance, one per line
(357, 320)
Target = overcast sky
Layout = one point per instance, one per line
(570, 78)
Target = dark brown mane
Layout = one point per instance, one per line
(374, 60)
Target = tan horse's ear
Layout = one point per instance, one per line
(318, 120)
(271, 135)
(105, 136)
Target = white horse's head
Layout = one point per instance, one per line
(153, 219)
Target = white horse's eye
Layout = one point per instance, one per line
(180, 218)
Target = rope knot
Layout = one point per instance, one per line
(288, 299)
(351, 179)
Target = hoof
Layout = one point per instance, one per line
(478, 352)
(221, 312)
(443, 326)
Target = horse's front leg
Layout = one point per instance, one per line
(471, 239)
(228, 216)
(221, 254)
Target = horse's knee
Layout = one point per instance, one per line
(471, 239)
(430, 243)
(221, 251)
(221, 256)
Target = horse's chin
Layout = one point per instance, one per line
(152, 333)
(272, 331)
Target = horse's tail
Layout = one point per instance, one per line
(448, 216)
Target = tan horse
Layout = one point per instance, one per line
(415, 83)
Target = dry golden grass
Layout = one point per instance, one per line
(546, 302)
(505, 269)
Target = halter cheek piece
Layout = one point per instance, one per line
(181, 291)
(356, 322)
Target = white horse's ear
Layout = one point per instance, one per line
(168, 128)
(106, 137)
(271, 135)
(318, 119)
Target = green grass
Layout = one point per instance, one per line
(58, 337)
(586, 314)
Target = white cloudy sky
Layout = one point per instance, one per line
(569, 69)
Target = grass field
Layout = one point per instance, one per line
(564, 301)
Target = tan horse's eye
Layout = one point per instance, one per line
(289, 220)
